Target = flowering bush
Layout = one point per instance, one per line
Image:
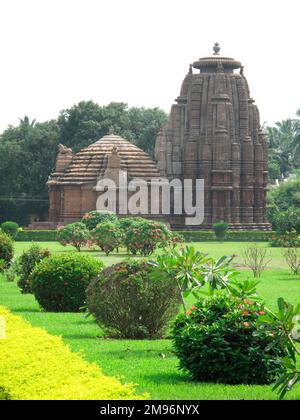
(27, 263)
(129, 302)
(94, 218)
(6, 249)
(59, 282)
(108, 236)
(144, 236)
(75, 234)
(219, 340)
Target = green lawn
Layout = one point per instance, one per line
(151, 364)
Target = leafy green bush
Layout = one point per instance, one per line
(129, 302)
(108, 236)
(285, 196)
(285, 240)
(6, 248)
(220, 230)
(94, 218)
(287, 221)
(2, 265)
(219, 340)
(234, 236)
(75, 234)
(59, 281)
(144, 236)
(26, 264)
(11, 229)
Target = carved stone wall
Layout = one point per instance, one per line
(214, 134)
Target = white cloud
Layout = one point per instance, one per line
(55, 53)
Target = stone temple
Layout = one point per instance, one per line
(214, 134)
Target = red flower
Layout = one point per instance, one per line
(188, 312)
(193, 308)
(262, 313)
(248, 302)
(246, 324)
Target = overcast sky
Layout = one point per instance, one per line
(55, 53)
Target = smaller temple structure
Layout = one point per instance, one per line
(73, 184)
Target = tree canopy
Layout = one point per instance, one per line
(28, 150)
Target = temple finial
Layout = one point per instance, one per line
(191, 69)
(217, 48)
(111, 131)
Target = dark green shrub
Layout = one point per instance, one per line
(219, 340)
(144, 236)
(108, 236)
(129, 302)
(94, 218)
(11, 229)
(26, 264)
(59, 282)
(6, 248)
(220, 230)
(285, 240)
(75, 234)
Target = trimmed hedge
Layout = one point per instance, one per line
(37, 236)
(231, 236)
(37, 366)
(189, 236)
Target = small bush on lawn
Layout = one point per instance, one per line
(129, 302)
(108, 236)
(144, 236)
(285, 240)
(94, 218)
(220, 229)
(11, 229)
(220, 341)
(6, 249)
(292, 258)
(59, 282)
(26, 264)
(287, 221)
(75, 234)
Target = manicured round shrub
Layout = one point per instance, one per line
(129, 302)
(108, 236)
(219, 340)
(94, 218)
(6, 248)
(144, 236)
(59, 282)
(220, 229)
(26, 264)
(75, 234)
(11, 229)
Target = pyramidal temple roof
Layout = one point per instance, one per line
(89, 165)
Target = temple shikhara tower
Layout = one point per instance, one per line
(214, 134)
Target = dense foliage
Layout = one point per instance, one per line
(220, 229)
(129, 302)
(75, 234)
(59, 282)
(28, 151)
(6, 248)
(11, 228)
(219, 341)
(108, 236)
(94, 218)
(144, 236)
(27, 263)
